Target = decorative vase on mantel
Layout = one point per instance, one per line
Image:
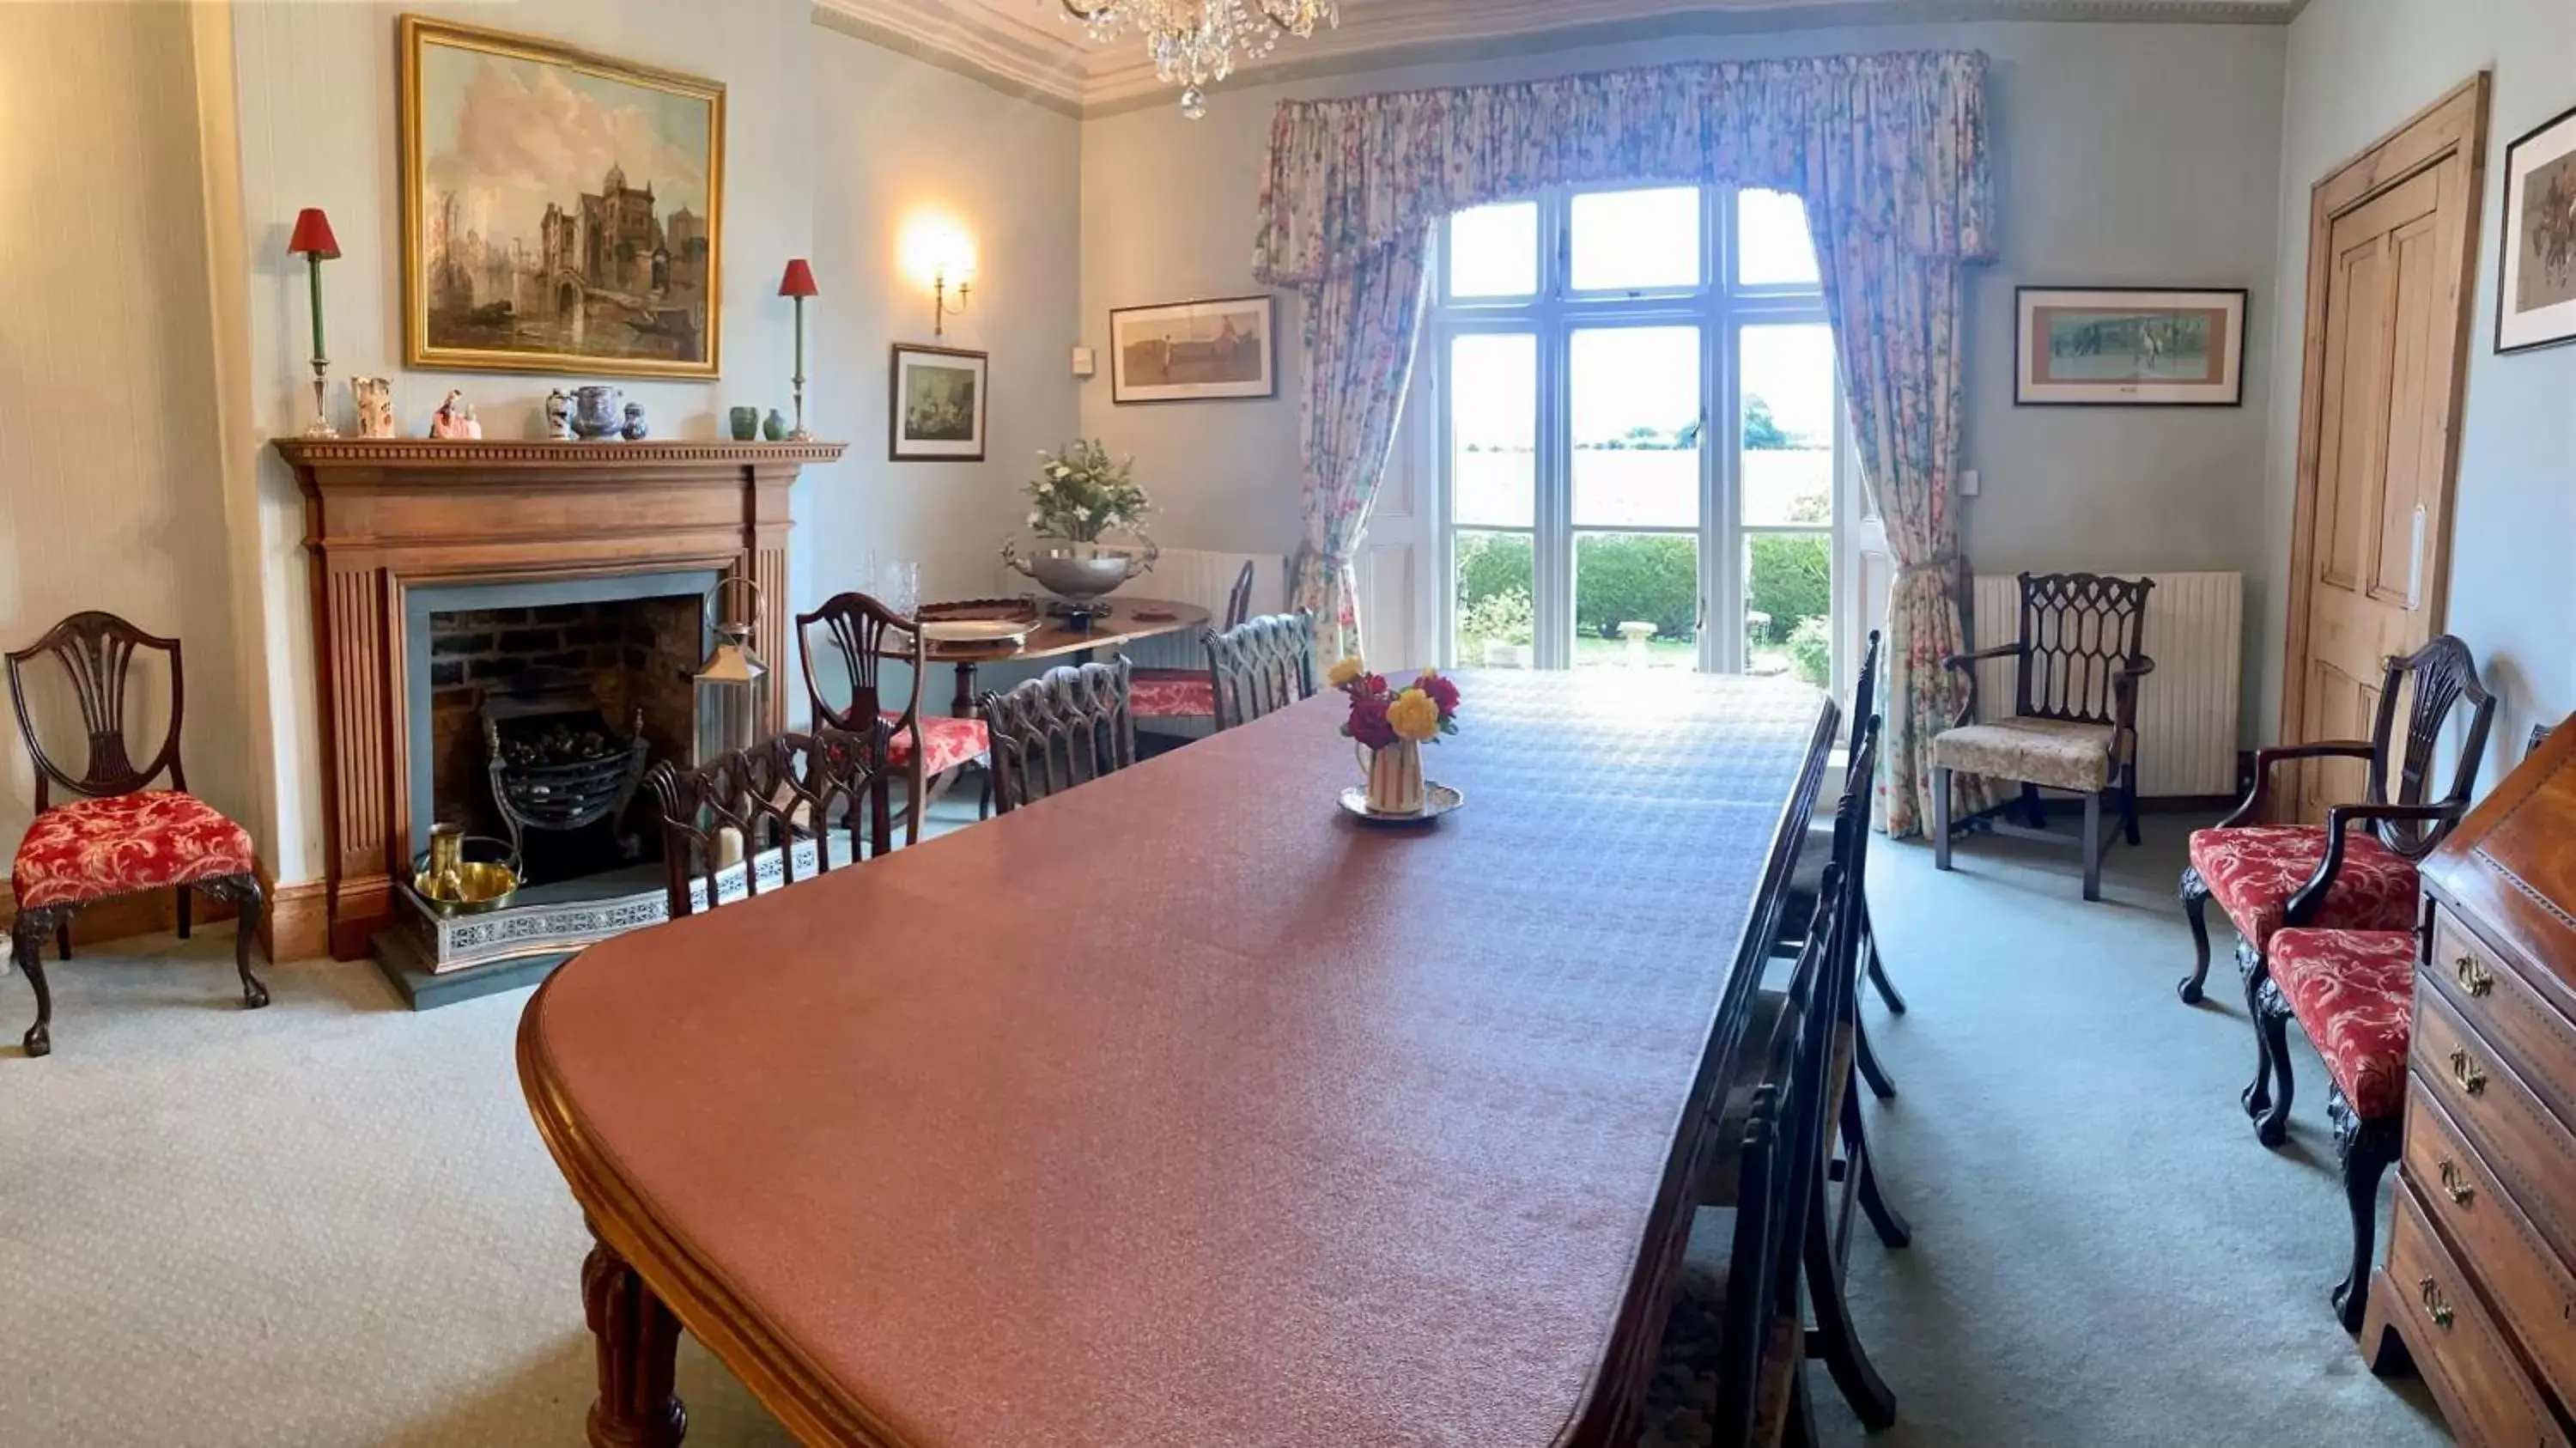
(1394, 778)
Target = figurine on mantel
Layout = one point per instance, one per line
(559, 415)
(635, 429)
(455, 418)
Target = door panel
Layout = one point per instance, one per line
(2392, 253)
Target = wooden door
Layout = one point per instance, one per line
(2392, 272)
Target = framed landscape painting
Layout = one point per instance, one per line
(1194, 351)
(2129, 347)
(562, 211)
(2536, 303)
(937, 411)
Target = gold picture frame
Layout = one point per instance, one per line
(651, 282)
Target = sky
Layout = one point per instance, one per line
(510, 135)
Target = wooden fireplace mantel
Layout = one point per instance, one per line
(382, 516)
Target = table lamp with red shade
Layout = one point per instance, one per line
(798, 282)
(314, 242)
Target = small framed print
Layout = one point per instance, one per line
(2536, 300)
(2129, 347)
(938, 406)
(1194, 351)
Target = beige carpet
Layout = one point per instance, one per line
(330, 1222)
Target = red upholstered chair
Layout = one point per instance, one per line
(2332, 877)
(2353, 992)
(863, 633)
(121, 836)
(1189, 693)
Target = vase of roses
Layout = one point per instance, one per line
(1079, 496)
(1389, 725)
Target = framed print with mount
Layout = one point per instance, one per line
(1194, 351)
(2536, 300)
(937, 409)
(2129, 347)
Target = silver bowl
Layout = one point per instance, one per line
(1080, 571)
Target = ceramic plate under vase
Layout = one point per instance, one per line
(1437, 800)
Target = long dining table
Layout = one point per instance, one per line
(1181, 1110)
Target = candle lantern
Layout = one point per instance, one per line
(314, 242)
(733, 683)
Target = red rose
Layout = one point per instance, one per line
(1442, 692)
(1368, 723)
(1373, 686)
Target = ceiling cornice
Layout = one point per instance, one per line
(1018, 50)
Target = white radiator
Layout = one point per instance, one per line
(1190, 575)
(2186, 708)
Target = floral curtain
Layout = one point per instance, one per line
(1359, 354)
(1889, 153)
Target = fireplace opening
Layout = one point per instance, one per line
(544, 706)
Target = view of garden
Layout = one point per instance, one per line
(1653, 577)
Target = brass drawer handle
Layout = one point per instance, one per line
(2475, 978)
(2431, 1292)
(2472, 1078)
(2455, 1184)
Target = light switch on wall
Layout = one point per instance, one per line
(1085, 362)
(1969, 483)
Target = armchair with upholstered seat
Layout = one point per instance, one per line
(2074, 723)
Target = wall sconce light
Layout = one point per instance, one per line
(940, 252)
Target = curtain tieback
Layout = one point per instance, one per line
(1944, 565)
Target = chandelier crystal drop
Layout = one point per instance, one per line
(1196, 43)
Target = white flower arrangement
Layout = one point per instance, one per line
(1082, 493)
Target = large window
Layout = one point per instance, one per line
(1584, 343)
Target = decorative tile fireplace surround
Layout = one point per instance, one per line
(401, 531)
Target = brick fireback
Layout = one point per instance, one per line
(640, 654)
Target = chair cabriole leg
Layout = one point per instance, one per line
(2272, 1018)
(2195, 908)
(27, 941)
(2364, 1150)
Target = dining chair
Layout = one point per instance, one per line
(2077, 661)
(1261, 666)
(769, 809)
(121, 836)
(1067, 727)
(862, 633)
(2273, 877)
(1190, 693)
(1815, 849)
(1731, 1365)
(1850, 1186)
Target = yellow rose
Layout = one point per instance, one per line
(1347, 670)
(1413, 716)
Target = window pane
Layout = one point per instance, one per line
(1788, 605)
(1636, 427)
(1772, 245)
(1635, 240)
(1789, 424)
(1493, 429)
(1636, 600)
(1496, 589)
(1493, 251)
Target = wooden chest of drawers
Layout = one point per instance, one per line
(2479, 1285)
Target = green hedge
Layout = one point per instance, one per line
(1792, 579)
(1647, 577)
(1654, 577)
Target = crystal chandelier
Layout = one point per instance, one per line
(1195, 43)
